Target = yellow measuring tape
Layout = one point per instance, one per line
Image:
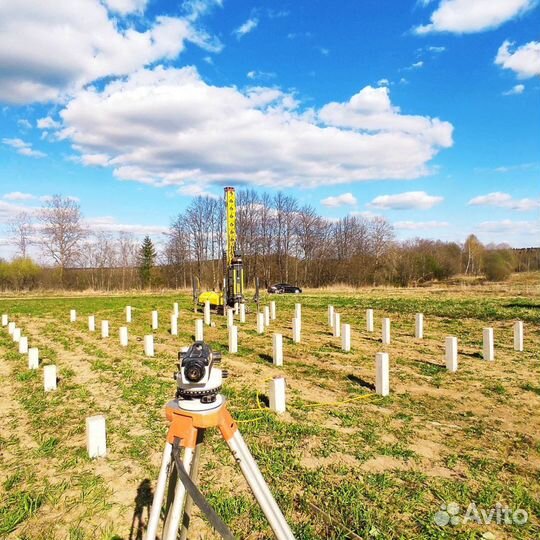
(310, 406)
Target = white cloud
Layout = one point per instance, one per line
(507, 226)
(193, 190)
(436, 49)
(47, 123)
(420, 225)
(24, 123)
(246, 28)
(123, 7)
(515, 90)
(324, 51)
(279, 14)
(9, 210)
(23, 148)
(18, 196)
(504, 200)
(92, 160)
(111, 225)
(467, 16)
(261, 75)
(168, 127)
(371, 110)
(417, 65)
(418, 200)
(366, 214)
(520, 167)
(46, 198)
(195, 9)
(525, 60)
(339, 200)
(383, 82)
(48, 52)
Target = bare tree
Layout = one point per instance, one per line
(100, 257)
(197, 219)
(127, 250)
(21, 229)
(248, 223)
(62, 231)
(177, 251)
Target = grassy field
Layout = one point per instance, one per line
(376, 467)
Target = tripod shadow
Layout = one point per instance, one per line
(143, 502)
(361, 382)
(431, 365)
(473, 355)
(266, 357)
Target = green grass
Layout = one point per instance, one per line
(377, 467)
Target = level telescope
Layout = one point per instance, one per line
(199, 406)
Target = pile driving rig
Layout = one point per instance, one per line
(233, 267)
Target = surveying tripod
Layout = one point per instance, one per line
(197, 407)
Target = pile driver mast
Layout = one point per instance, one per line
(234, 268)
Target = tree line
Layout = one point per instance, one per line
(280, 240)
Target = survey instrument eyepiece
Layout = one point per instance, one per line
(197, 377)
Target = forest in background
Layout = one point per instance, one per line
(280, 241)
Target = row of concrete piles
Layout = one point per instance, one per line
(32, 353)
(382, 369)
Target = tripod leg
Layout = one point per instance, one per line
(155, 512)
(259, 487)
(172, 522)
(193, 475)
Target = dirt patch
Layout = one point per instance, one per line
(382, 464)
(337, 458)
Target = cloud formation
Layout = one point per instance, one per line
(524, 61)
(195, 9)
(420, 225)
(18, 196)
(125, 7)
(47, 123)
(9, 210)
(509, 226)
(371, 110)
(166, 126)
(505, 200)
(22, 147)
(246, 27)
(109, 224)
(468, 16)
(339, 200)
(261, 75)
(515, 90)
(417, 200)
(47, 51)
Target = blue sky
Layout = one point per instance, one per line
(425, 112)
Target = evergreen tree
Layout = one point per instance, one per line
(147, 257)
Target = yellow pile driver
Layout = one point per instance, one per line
(233, 267)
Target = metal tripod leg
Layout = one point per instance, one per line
(170, 531)
(259, 487)
(186, 520)
(155, 512)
